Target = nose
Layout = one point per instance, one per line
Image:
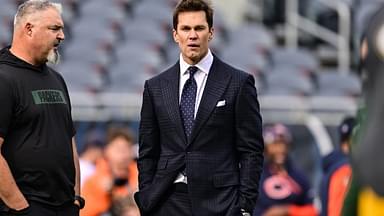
(61, 35)
(192, 34)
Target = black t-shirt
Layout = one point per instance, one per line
(37, 128)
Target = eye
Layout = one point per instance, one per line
(200, 28)
(55, 28)
(185, 28)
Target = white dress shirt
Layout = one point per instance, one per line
(200, 76)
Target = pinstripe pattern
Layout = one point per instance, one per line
(222, 138)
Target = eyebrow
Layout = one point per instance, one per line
(196, 26)
(56, 26)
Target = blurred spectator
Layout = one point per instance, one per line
(115, 178)
(283, 189)
(337, 172)
(91, 152)
(124, 207)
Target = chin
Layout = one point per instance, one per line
(53, 57)
(195, 58)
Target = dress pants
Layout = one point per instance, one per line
(39, 209)
(175, 203)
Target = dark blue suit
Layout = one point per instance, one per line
(224, 155)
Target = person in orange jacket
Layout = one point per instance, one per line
(115, 178)
(337, 172)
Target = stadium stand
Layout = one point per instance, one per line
(113, 46)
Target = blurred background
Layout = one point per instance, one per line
(302, 53)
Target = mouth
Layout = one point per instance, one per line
(193, 45)
(56, 45)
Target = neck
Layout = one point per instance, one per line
(18, 49)
(194, 61)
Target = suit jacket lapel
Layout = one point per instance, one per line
(170, 90)
(217, 82)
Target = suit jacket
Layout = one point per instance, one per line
(224, 154)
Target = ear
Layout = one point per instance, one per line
(28, 28)
(175, 36)
(211, 33)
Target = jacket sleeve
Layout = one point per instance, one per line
(149, 146)
(249, 143)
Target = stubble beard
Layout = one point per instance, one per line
(53, 57)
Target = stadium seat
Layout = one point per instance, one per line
(289, 81)
(333, 83)
(82, 76)
(300, 58)
(247, 59)
(147, 31)
(129, 77)
(155, 11)
(135, 52)
(253, 35)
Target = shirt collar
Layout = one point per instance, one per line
(204, 64)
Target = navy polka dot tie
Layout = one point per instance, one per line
(187, 103)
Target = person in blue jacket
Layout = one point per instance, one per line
(284, 190)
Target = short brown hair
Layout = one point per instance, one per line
(193, 5)
(117, 132)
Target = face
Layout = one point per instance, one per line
(193, 35)
(119, 155)
(46, 32)
(345, 147)
(276, 152)
(95, 153)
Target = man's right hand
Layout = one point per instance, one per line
(19, 211)
(19, 206)
(10, 193)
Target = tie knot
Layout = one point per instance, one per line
(192, 70)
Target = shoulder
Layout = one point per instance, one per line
(334, 160)
(4, 75)
(6, 78)
(8, 86)
(5, 71)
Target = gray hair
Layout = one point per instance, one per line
(33, 6)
